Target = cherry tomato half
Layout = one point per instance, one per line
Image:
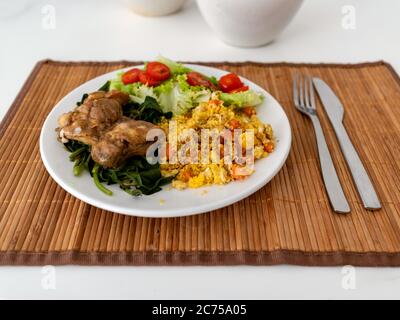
(230, 82)
(145, 78)
(197, 79)
(158, 71)
(131, 76)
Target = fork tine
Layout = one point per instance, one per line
(306, 92)
(312, 96)
(301, 98)
(295, 89)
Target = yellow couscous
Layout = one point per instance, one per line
(213, 115)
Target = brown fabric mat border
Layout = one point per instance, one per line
(178, 258)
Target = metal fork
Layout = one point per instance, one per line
(304, 100)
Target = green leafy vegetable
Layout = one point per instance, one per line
(116, 83)
(84, 96)
(99, 185)
(177, 96)
(214, 81)
(175, 67)
(80, 154)
(173, 96)
(242, 99)
(136, 177)
(137, 91)
(149, 111)
(105, 87)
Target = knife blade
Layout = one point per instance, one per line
(335, 111)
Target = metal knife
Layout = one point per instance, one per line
(335, 112)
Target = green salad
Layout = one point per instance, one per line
(183, 89)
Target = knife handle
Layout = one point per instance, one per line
(332, 184)
(360, 176)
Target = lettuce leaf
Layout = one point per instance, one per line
(242, 99)
(177, 96)
(138, 92)
(175, 67)
(117, 84)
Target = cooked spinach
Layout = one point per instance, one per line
(105, 87)
(149, 111)
(85, 95)
(80, 154)
(136, 176)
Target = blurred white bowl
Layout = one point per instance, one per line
(248, 23)
(155, 7)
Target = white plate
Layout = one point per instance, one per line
(168, 202)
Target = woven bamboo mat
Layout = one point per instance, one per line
(288, 221)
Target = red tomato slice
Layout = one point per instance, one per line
(197, 79)
(241, 89)
(145, 78)
(131, 76)
(230, 82)
(158, 71)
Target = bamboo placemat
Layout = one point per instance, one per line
(288, 221)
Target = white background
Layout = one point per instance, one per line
(108, 30)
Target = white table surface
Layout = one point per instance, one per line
(107, 30)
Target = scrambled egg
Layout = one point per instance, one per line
(213, 115)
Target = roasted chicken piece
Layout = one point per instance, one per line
(99, 111)
(125, 139)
